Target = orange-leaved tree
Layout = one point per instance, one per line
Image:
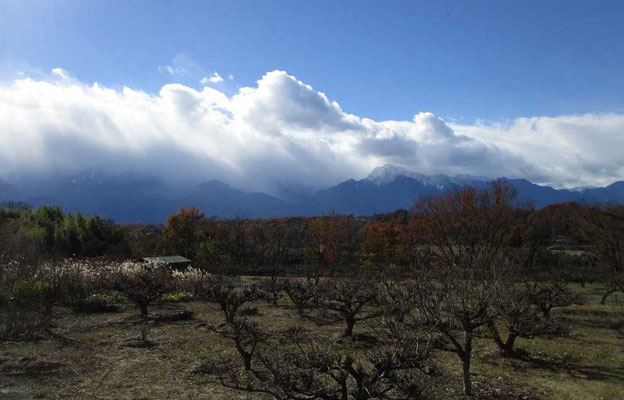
(185, 231)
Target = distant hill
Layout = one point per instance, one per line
(219, 199)
(130, 198)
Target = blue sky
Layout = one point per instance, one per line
(474, 60)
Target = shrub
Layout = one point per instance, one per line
(185, 315)
(178, 297)
(27, 308)
(249, 312)
(615, 323)
(274, 287)
(99, 303)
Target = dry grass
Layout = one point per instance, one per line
(92, 357)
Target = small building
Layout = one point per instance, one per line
(175, 262)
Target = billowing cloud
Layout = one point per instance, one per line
(281, 132)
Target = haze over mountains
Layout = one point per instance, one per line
(136, 198)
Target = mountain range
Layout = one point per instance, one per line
(130, 198)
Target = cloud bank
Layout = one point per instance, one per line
(281, 132)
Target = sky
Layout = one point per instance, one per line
(266, 93)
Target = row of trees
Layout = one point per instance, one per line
(49, 232)
(405, 317)
(583, 243)
(580, 243)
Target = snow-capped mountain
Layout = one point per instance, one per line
(387, 173)
(134, 198)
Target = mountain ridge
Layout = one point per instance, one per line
(129, 198)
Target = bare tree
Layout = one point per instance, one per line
(458, 302)
(230, 296)
(273, 242)
(347, 298)
(398, 298)
(605, 230)
(458, 295)
(246, 336)
(274, 287)
(546, 295)
(524, 311)
(142, 283)
(301, 293)
(309, 370)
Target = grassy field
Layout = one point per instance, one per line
(98, 356)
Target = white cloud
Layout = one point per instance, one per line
(282, 131)
(61, 73)
(214, 78)
(173, 71)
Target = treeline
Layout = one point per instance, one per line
(584, 243)
(47, 231)
(569, 239)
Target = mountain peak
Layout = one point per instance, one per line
(387, 173)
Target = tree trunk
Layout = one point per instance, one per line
(466, 356)
(247, 361)
(300, 309)
(349, 330)
(143, 309)
(509, 344)
(275, 298)
(246, 356)
(546, 311)
(604, 298)
(344, 390)
(506, 347)
(495, 335)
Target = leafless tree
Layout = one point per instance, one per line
(546, 295)
(459, 293)
(524, 311)
(311, 370)
(348, 298)
(605, 230)
(398, 298)
(245, 334)
(301, 292)
(142, 283)
(458, 302)
(274, 287)
(230, 295)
